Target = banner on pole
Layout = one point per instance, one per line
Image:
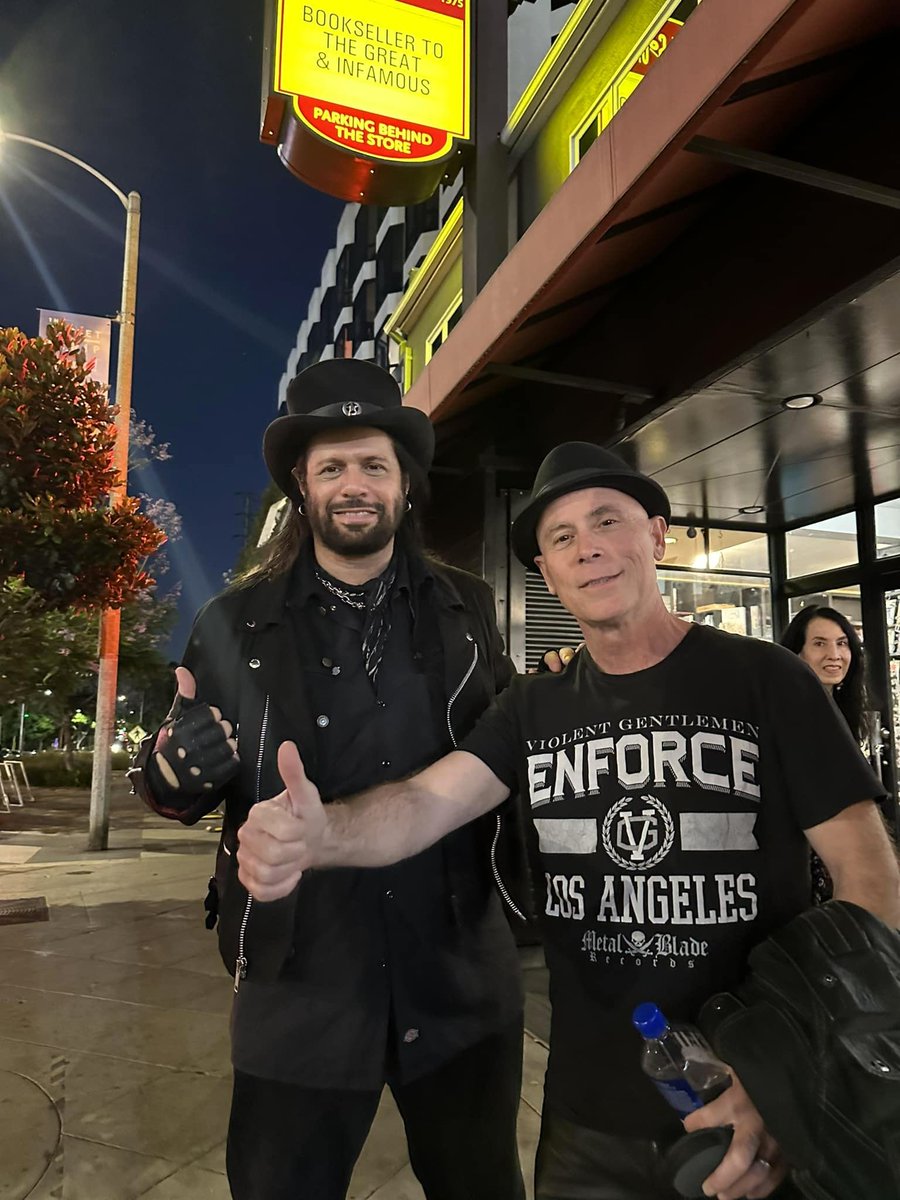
(97, 338)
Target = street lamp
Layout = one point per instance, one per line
(98, 837)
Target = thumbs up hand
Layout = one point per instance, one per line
(187, 684)
(195, 751)
(282, 837)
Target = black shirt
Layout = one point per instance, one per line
(386, 977)
(667, 810)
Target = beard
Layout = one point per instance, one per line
(355, 543)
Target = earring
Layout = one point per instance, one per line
(408, 504)
(301, 509)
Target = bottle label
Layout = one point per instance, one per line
(679, 1094)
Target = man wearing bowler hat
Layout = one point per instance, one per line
(375, 660)
(672, 778)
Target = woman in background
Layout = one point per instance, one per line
(828, 643)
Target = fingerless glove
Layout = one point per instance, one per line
(195, 747)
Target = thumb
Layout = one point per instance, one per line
(187, 684)
(303, 795)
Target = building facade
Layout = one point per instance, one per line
(697, 264)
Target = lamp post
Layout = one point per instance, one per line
(98, 837)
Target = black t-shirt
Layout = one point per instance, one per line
(667, 814)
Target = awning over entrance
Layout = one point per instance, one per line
(733, 445)
(729, 240)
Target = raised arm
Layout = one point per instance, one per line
(181, 770)
(294, 831)
(861, 860)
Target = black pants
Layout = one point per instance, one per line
(574, 1163)
(293, 1143)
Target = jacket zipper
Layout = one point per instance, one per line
(501, 886)
(240, 966)
(462, 683)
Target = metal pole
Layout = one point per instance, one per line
(486, 174)
(21, 728)
(98, 836)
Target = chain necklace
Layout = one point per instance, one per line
(354, 599)
(377, 619)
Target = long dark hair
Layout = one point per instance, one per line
(279, 553)
(850, 695)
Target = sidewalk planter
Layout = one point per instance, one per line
(49, 769)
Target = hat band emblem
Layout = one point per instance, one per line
(351, 408)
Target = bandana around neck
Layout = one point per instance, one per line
(372, 600)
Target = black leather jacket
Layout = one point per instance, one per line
(240, 651)
(814, 1036)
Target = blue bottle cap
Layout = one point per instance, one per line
(649, 1021)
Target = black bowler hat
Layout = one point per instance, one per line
(339, 394)
(572, 467)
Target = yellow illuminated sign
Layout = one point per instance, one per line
(384, 78)
(651, 49)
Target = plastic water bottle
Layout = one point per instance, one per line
(679, 1060)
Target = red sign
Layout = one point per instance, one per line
(369, 133)
(447, 8)
(656, 46)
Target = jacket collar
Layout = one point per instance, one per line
(267, 599)
(305, 586)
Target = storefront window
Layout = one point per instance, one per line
(445, 327)
(887, 529)
(824, 546)
(717, 549)
(846, 601)
(735, 603)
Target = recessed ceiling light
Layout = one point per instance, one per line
(670, 541)
(750, 510)
(804, 400)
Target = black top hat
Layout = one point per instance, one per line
(336, 394)
(572, 467)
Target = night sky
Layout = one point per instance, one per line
(163, 98)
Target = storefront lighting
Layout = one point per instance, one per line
(703, 562)
(750, 510)
(804, 400)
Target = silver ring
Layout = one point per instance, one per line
(764, 1162)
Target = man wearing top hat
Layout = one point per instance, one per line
(376, 661)
(672, 778)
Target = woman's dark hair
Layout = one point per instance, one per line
(850, 695)
(279, 553)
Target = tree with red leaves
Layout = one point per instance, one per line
(58, 536)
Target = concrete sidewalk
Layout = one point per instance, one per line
(114, 1069)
